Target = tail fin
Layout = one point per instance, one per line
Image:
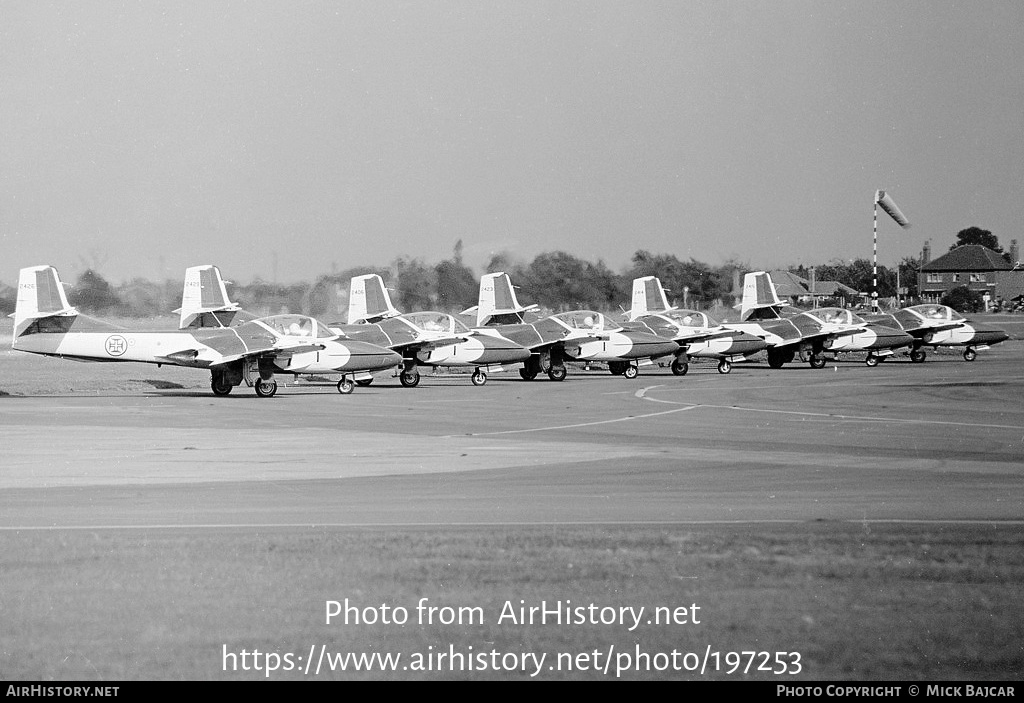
(40, 296)
(759, 298)
(497, 301)
(368, 300)
(648, 297)
(203, 293)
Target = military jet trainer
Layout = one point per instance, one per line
(935, 326)
(699, 334)
(578, 335)
(251, 351)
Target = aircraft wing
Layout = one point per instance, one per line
(282, 347)
(226, 347)
(427, 341)
(936, 326)
(575, 335)
(703, 335)
(839, 330)
(827, 331)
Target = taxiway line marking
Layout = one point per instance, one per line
(573, 426)
(642, 395)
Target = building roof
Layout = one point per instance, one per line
(969, 257)
(830, 289)
(789, 285)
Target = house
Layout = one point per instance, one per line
(797, 289)
(974, 266)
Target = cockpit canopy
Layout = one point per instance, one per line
(836, 316)
(586, 320)
(937, 312)
(691, 318)
(436, 322)
(298, 326)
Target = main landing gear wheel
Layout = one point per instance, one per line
(777, 358)
(478, 378)
(917, 356)
(617, 368)
(872, 360)
(724, 366)
(220, 386)
(364, 382)
(631, 371)
(970, 354)
(346, 385)
(817, 362)
(266, 388)
(557, 373)
(410, 378)
(680, 367)
(527, 374)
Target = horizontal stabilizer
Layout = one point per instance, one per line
(648, 298)
(40, 295)
(760, 300)
(204, 292)
(368, 300)
(497, 299)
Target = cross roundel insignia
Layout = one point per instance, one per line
(116, 345)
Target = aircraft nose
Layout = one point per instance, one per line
(889, 338)
(370, 357)
(987, 334)
(744, 343)
(649, 345)
(498, 350)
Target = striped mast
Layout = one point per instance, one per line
(874, 260)
(889, 205)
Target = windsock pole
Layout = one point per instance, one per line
(874, 262)
(885, 200)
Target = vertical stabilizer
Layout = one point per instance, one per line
(648, 297)
(368, 300)
(497, 299)
(759, 297)
(40, 295)
(204, 292)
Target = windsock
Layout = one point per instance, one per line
(882, 198)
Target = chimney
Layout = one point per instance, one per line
(1014, 252)
(926, 253)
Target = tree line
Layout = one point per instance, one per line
(553, 280)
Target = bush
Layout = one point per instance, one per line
(963, 299)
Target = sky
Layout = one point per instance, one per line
(285, 140)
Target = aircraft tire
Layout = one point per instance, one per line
(346, 385)
(724, 366)
(970, 354)
(527, 374)
(410, 378)
(817, 362)
(777, 359)
(872, 360)
(478, 378)
(679, 368)
(631, 372)
(220, 387)
(918, 355)
(266, 389)
(557, 373)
